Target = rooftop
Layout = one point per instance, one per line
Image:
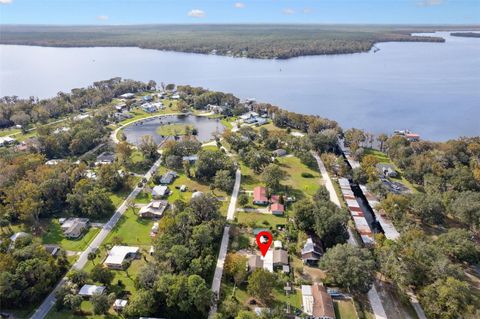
(118, 253)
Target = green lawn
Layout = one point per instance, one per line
(173, 129)
(260, 219)
(9, 131)
(133, 230)
(302, 186)
(250, 179)
(344, 309)
(54, 235)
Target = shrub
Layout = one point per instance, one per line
(307, 175)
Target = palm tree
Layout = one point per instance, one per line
(382, 138)
(91, 256)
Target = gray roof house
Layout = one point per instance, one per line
(387, 169)
(160, 191)
(74, 227)
(105, 158)
(280, 152)
(312, 251)
(168, 178)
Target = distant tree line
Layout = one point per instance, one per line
(252, 41)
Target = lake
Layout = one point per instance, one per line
(430, 88)
(205, 126)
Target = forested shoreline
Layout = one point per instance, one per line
(465, 34)
(251, 41)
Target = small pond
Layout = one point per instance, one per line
(206, 127)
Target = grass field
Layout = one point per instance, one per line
(344, 309)
(301, 185)
(173, 129)
(54, 235)
(261, 220)
(133, 230)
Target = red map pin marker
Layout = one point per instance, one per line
(262, 243)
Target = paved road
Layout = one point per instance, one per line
(373, 297)
(217, 277)
(49, 302)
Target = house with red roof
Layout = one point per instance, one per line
(260, 196)
(277, 209)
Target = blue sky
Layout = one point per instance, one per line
(241, 11)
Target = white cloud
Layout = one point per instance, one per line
(196, 13)
(288, 11)
(101, 17)
(239, 5)
(307, 10)
(5, 1)
(429, 3)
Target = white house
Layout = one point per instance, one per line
(90, 290)
(118, 254)
(160, 191)
(154, 209)
(119, 304)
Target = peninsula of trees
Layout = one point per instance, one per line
(252, 41)
(465, 34)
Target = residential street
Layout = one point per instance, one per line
(49, 302)
(217, 277)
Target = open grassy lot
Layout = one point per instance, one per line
(132, 229)
(344, 309)
(250, 179)
(173, 129)
(9, 131)
(54, 235)
(260, 220)
(302, 186)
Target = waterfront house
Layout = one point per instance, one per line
(118, 254)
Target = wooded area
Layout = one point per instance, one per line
(252, 41)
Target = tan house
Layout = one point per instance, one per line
(317, 303)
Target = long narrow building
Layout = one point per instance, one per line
(356, 212)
